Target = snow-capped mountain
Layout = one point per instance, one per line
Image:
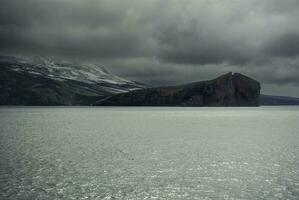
(63, 71)
(43, 76)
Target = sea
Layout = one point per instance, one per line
(135, 153)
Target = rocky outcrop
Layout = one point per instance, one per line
(227, 90)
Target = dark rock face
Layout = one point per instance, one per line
(226, 90)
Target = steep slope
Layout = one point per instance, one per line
(226, 90)
(41, 81)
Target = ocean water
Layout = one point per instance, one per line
(149, 153)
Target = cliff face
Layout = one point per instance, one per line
(226, 90)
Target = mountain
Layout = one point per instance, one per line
(270, 100)
(41, 81)
(227, 90)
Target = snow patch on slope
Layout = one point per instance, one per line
(64, 71)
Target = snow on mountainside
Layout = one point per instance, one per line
(63, 71)
(42, 81)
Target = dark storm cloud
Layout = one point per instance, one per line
(286, 45)
(96, 28)
(196, 47)
(161, 41)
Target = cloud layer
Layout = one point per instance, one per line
(161, 41)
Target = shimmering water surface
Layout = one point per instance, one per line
(149, 153)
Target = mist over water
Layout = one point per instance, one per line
(149, 153)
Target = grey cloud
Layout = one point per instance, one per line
(196, 47)
(94, 29)
(286, 45)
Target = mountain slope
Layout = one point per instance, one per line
(226, 90)
(41, 81)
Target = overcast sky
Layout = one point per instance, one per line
(162, 42)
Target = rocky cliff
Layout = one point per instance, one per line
(227, 90)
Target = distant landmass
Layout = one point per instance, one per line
(271, 100)
(42, 81)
